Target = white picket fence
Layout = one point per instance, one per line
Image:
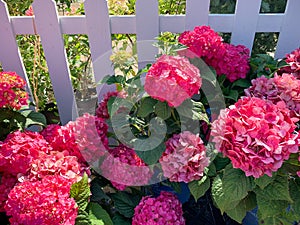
(146, 24)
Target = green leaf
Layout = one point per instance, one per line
(98, 194)
(112, 79)
(162, 110)
(34, 118)
(243, 83)
(199, 187)
(211, 170)
(233, 94)
(295, 195)
(146, 107)
(82, 218)
(80, 191)
(264, 181)
(239, 212)
(150, 156)
(235, 184)
(125, 203)
(97, 215)
(221, 162)
(222, 201)
(121, 220)
(193, 110)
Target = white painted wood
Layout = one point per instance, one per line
(289, 38)
(147, 29)
(245, 23)
(98, 27)
(196, 13)
(10, 56)
(51, 37)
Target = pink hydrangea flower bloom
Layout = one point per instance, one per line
(12, 93)
(165, 209)
(124, 168)
(202, 41)
(56, 163)
(256, 135)
(102, 110)
(234, 62)
(19, 149)
(7, 182)
(172, 79)
(44, 202)
(185, 158)
(284, 88)
(293, 61)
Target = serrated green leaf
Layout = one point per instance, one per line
(162, 110)
(82, 218)
(239, 212)
(80, 191)
(97, 215)
(193, 110)
(34, 118)
(125, 203)
(150, 156)
(199, 187)
(211, 170)
(222, 201)
(243, 83)
(264, 181)
(235, 184)
(147, 107)
(98, 194)
(233, 94)
(295, 195)
(221, 162)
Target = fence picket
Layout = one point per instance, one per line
(10, 56)
(245, 23)
(147, 29)
(289, 37)
(98, 28)
(49, 30)
(197, 12)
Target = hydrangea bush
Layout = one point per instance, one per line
(204, 123)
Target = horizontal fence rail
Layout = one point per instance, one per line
(146, 24)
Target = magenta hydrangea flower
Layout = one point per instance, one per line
(56, 163)
(12, 93)
(293, 61)
(185, 158)
(202, 41)
(19, 149)
(172, 79)
(102, 110)
(7, 182)
(256, 135)
(165, 209)
(234, 62)
(124, 168)
(84, 138)
(44, 202)
(284, 88)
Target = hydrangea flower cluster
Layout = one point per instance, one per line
(202, 41)
(124, 168)
(293, 61)
(55, 163)
(12, 93)
(44, 202)
(233, 61)
(7, 182)
(84, 138)
(102, 110)
(172, 79)
(19, 149)
(284, 88)
(185, 158)
(256, 135)
(165, 209)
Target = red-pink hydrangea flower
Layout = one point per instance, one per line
(284, 88)
(124, 168)
(7, 182)
(202, 41)
(102, 110)
(55, 163)
(165, 209)
(256, 135)
(185, 158)
(293, 61)
(84, 138)
(19, 149)
(172, 79)
(12, 93)
(234, 62)
(44, 202)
